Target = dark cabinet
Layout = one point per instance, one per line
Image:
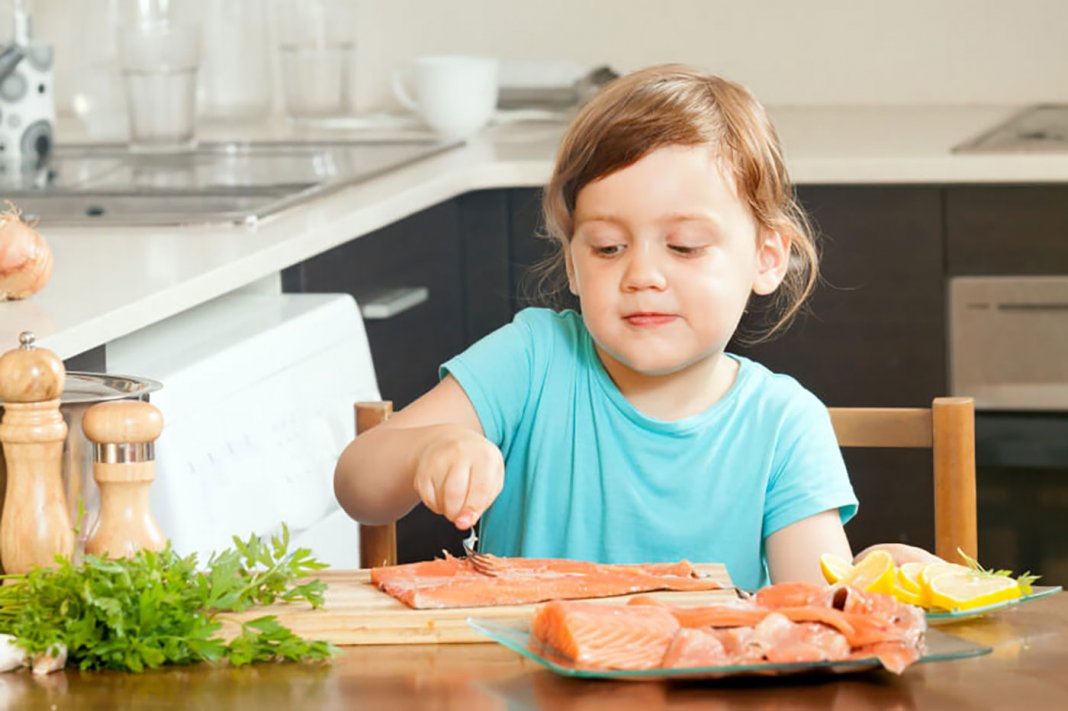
(1015, 229)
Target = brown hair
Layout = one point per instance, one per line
(677, 105)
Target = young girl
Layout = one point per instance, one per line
(626, 433)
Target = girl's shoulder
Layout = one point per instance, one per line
(778, 392)
(546, 326)
(541, 318)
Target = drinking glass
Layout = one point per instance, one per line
(315, 52)
(159, 54)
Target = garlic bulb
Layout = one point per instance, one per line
(12, 656)
(52, 660)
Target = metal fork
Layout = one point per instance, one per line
(481, 562)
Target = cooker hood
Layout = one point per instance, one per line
(216, 182)
(1038, 129)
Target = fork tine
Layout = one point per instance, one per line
(480, 562)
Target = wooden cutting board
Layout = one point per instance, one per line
(357, 612)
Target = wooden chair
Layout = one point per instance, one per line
(378, 544)
(948, 429)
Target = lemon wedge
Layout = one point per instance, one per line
(834, 568)
(875, 572)
(959, 591)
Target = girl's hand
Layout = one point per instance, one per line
(901, 553)
(458, 473)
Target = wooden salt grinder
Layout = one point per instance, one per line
(35, 525)
(123, 433)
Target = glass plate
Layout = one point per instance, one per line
(942, 616)
(516, 635)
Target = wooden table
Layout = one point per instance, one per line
(1028, 669)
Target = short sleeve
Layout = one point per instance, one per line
(809, 474)
(495, 373)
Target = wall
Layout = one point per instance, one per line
(787, 51)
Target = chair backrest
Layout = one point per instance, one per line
(378, 544)
(948, 429)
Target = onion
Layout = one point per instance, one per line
(25, 258)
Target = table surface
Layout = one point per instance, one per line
(1028, 669)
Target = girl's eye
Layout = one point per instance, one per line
(686, 249)
(607, 250)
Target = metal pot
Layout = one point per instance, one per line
(80, 392)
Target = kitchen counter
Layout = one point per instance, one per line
(1025, 670)
(111, 281)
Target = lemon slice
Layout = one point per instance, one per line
(834, 568)
(955, 591)
(933, 570)
(874, 573)
(907, 596)
(908, 581)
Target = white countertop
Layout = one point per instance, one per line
(111, 281)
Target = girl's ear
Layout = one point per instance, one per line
(773, 259)
(572, 280)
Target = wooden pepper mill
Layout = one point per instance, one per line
(123, 433)
(35, 525)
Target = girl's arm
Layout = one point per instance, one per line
(431, 450)
(794, 551)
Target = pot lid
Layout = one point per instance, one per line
(100, 387)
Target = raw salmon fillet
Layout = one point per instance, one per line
(786, 623)
(453, 582)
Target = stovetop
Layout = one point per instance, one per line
(215, 182)
(1038, 129)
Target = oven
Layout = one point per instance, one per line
(1008, 349)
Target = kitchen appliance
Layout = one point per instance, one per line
(1009, 341)
(215, 182)
(257, 403)
(27, 99)
(1038, 129)
(1008, 349)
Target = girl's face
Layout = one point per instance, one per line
(663, 259)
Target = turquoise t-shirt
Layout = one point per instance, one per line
(589, 477)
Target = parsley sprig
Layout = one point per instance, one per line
(1024, 581)
(158, 608)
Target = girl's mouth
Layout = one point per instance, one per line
(647, 318)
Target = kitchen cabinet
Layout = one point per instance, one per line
(1015, 230)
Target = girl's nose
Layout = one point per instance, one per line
(642, 271)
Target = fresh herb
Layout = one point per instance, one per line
(1024, 581)
(157, 608)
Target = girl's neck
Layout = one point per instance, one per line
(677, 395)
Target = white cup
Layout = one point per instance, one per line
(455, 95)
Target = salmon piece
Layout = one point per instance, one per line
(692, 647)
(746, 632)
(791, 595)
(600, 636)
(453, 582)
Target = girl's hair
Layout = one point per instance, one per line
(677, 105)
